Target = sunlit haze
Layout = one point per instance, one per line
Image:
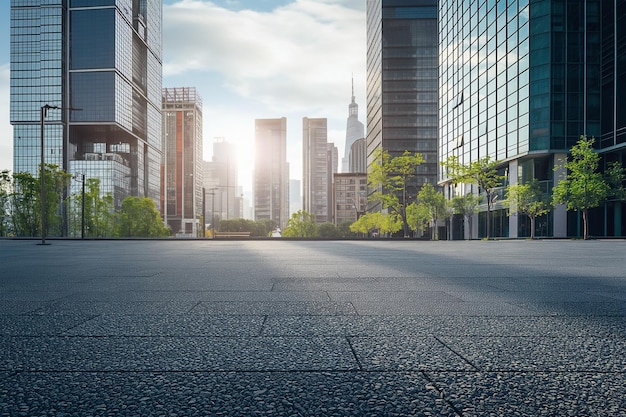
(251, 59)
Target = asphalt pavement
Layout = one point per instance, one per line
(312, 328)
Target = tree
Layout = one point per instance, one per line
(482, 173)
(343, 229)
(615, 176)
(434, 203)
(25, 202)
(390, 178)
(138, 217)
(327, 230)
(582, 187)
(301, 224)
(99, 212)
(417, 217)
(384, 223)
(466, 206)
(528, 199)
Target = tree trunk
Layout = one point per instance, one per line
(585, 224)
(532, 226)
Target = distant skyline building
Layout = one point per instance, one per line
(320, 160)
(295, 196)
(403, 83)
(101, 58)
(227, 181)
(354, 131)
(271, 171)
(520, 83)
(358, 156)
(349, 197)
(182, 161)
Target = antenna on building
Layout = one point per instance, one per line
(353, 87)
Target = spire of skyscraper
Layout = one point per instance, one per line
(354, 130)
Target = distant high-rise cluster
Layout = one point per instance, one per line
(515, 81)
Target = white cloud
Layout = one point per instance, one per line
(298, 55)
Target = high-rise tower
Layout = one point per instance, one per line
(403, 82)
(354, 131)
(182, 160)
(520, 82)
(318, 165)
(103, 58)
(271, 171)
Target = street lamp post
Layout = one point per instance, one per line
(44, 113)
(212, 211)
(82, 221)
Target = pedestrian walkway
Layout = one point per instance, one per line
(312, 328)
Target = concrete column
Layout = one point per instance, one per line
(560, 212)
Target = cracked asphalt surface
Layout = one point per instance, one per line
(312, 328)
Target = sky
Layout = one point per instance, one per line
(251, 59)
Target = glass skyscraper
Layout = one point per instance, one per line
(520, 82)
(402, 82)
(104, 58)
(271, 171)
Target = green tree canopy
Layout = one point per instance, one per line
(582, 187)
(6, 187)
(434, 203)
(390, 178)
(417, 216)
(482, 172)
(528, 199)
(138, 217)
(99, 211)
(301, 224)
(466, 206)
(25, 202)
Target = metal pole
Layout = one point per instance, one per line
(203, 212)
(82, 223)
(213, 213)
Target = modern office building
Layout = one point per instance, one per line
(357, 160)
(226, 179)
(520, 83)
(403, 82)
(320, 160)
(354, 131)
(295, 196)
(271, 171)
(349, 197)
(104, 60)
(182, 161)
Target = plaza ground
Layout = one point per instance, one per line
(312, 328)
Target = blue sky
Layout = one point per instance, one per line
(251, 59)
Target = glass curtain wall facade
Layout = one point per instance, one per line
(104, 58)
(182, 160)
(271, 171)
(402, 82)
(520, 82)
